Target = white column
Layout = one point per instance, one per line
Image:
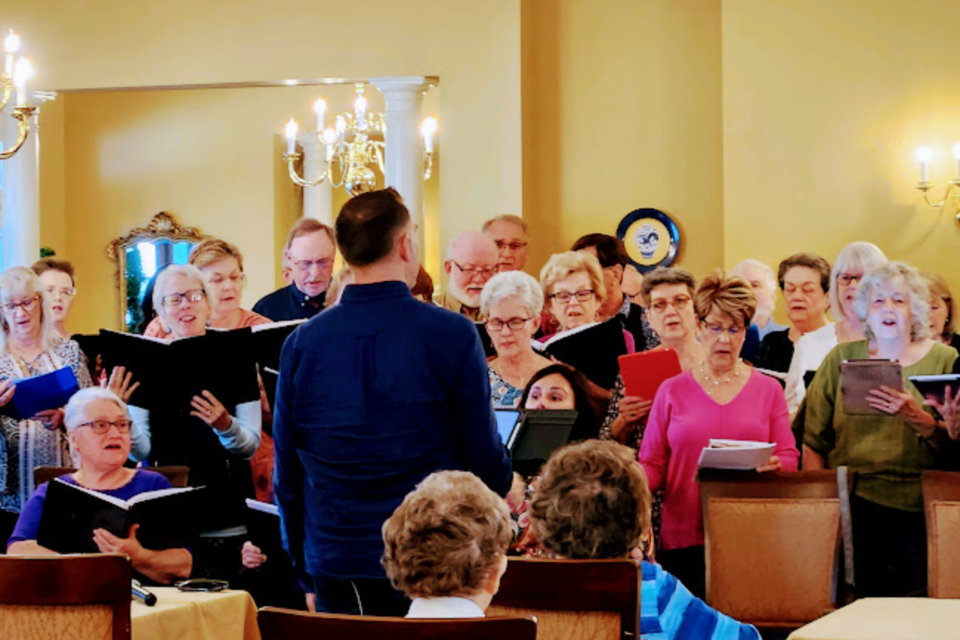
(318, 200)
(403, 164)
(20, 227)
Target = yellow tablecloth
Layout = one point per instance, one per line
(887, 619)
(228, 615)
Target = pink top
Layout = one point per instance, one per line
(682, 421)
(247, 319)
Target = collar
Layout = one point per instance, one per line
(444, 607)
(375, 291)
(303, 299)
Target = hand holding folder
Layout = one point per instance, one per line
(39, 394)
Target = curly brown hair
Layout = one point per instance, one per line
(591, 501)
(729, 294)
(446, 537)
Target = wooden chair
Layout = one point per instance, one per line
(772, 543)
(49, 598)
(287, 624)
(941, 504)
(176, 475)
(573, 599)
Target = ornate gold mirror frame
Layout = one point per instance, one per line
(168, 242)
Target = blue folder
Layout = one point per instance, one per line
(39, 393)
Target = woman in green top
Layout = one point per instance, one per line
(890, 449)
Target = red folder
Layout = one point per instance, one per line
(644, 372)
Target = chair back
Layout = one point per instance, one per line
(287, 624)
(772, 543)
(941, 505)
(176, 475)
(71, 596)
(573, 599)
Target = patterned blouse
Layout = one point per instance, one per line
(503, 394)
(27, 444)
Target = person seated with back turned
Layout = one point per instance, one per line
(310, 253)
(446, 546)
(613, 258)
(471, 261)
(510, 234)
(98, 429)
(374, 395)
(592, 503)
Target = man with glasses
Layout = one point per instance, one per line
(471, 261)
(509, 233)
(310, 253)
(613, 258)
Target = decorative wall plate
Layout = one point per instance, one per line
(651, 237)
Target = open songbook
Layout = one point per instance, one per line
(591, 349)
(735, 454)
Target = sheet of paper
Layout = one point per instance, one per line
(735, 454)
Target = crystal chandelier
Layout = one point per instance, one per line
(355, 143)
(17, 70)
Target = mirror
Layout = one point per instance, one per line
(140, 255)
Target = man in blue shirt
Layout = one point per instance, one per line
(310, 252)
(374, 395)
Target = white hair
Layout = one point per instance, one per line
(512, 285)
(767, 270)
(858, 256)
(185, 270)
(75, 412)
(24, 282)
(916, 288)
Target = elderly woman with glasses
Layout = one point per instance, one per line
(29, 346)
(98, 430)
(511, 302)
(719, 397)
(213, 440)
(890, 448)
(221, 265)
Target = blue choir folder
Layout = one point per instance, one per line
(39, 393)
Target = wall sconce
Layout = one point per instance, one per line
(952, 193)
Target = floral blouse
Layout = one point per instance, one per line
(502, 393)
(27, 444)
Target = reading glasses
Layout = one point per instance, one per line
(474, 271)
(564, 296)
(66, 292)
(718, 330)
(174, 299)
(304, 265)
(515, 324)
(847, 279)
(512, 246)
(680, 302)
(28, 304)
(101, 427)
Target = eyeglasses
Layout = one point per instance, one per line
(304, 265)
(66, 292)
(717, 329)
(484, 272)
(101, 427)
(174, 299)
(847, 279)
(564, 297)
(515, 324)
(679, 302)
(235, 278)
(28, 304)
(513, 246)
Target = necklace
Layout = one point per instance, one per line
(716, 381)
(498, 369)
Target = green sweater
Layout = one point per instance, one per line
(886, 452)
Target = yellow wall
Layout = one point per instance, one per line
(824, 104)
(621, 104)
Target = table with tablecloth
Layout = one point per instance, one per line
(226, 615)
(887, 619)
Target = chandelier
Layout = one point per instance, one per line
(17, 70)
(355, 143)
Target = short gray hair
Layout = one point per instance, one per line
(859, 256)
(765, 268)
(916, 288)
(512, 285)
(75, 412)
(186, 270)
(506, 217)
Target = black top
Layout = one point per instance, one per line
(775, 352)
(635, 323)
(289, 303)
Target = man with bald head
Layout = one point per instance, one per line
(471, 261)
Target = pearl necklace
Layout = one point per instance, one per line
(716, 382)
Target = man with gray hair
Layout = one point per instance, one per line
(509, 233)
(471, 261)
(764, 283)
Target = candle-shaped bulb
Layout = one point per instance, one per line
(341, 125)
(923, 157)
(428, 129)
(21, 74)
(320, 106)
(11, 44)
(360, 105)
(291, 131)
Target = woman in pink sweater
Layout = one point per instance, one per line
(721, 397)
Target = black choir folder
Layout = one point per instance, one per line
(592, 349)
(168, 518)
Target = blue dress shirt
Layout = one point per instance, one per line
(374, 395)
